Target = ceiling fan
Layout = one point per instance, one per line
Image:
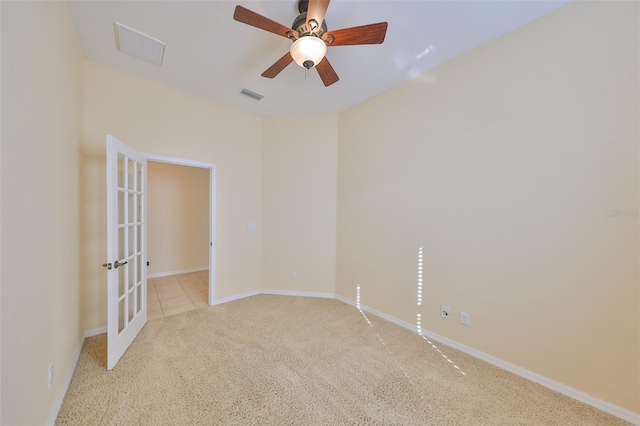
(310, 37)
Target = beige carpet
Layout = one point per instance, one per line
(277, 360)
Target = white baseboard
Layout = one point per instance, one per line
(275, 292)
(605, 406)
(235, 297)
(377, 313)
(94, 332)
(299, 293)
(182, 271)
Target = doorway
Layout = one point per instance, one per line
(181, 235)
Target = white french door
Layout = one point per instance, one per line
(126, 247)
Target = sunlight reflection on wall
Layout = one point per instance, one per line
(418, 320)
(395, 360)
(419, 315)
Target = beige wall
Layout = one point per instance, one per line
(177, 217)
(41, 131)
(501, 164)
(156, 119)
(299, 172)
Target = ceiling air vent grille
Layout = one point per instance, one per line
(140, 45)
(252, 94)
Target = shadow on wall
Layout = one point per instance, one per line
(93, 238)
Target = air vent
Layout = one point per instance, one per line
(140, 45)
(252, 94)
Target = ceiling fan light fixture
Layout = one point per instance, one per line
(308, 51)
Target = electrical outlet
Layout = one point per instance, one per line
(445, 312)
(293, 275)
(50, 374)
(465, 318)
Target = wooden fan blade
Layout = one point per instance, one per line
(278, 66)
(316, 10)
(255, 20)
(365, 34)
(327, 73)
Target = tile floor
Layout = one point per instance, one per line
(177, 293)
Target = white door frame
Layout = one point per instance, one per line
(212, 211)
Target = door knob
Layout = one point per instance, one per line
(118, 263)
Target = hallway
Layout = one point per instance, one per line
(174, 294)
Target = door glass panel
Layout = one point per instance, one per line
(131, 178)
(139, 295)
(131, 278)
(122, 284)
(138, 241)
(121, 311)
(134, 175)
(132, 306)
(121, 171)
(139, 178)
(121, 210)
(131, 235)
(131, 208)
(139, 268)
(121, 243)
(139, 209)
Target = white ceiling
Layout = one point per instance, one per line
(211, 55)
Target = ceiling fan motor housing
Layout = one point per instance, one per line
(300, 25)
